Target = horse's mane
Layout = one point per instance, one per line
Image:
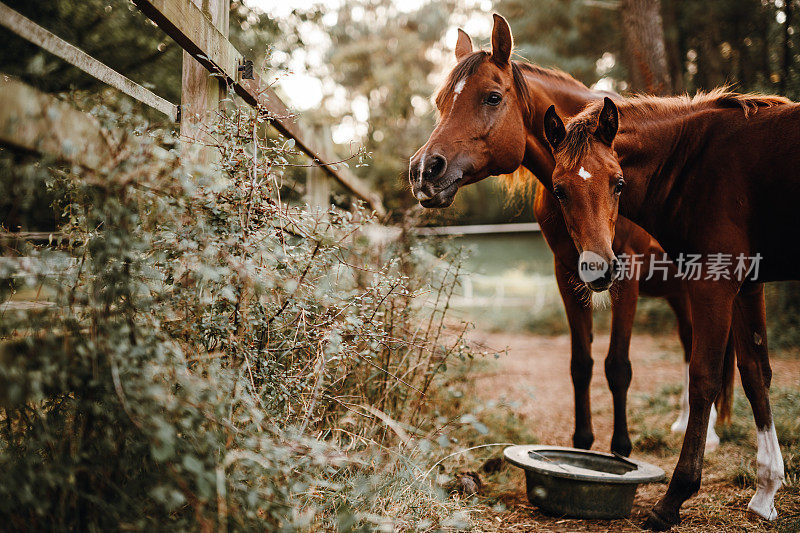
(469, 65)
(642, 108)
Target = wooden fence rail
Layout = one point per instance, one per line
(186, 23)
(29, 30)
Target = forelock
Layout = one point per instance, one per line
(468, 66)
(465, 68)
(579, 132)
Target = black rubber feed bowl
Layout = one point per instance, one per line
(581, 483)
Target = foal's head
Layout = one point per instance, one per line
(484, 108)
(587, 180)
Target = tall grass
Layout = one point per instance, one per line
(191, 352)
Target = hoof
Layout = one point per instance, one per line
(656, 522)
(583, 441)
(764, 509)
(621, 446)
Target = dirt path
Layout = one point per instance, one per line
(535, 372)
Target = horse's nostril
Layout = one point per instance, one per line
(434, 167)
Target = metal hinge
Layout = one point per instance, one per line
(246, 69)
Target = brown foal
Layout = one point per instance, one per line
(491, 123)
(717, 175)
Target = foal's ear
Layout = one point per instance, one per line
(553, 127)
(502, 42)
(463, 45)
(607, 122)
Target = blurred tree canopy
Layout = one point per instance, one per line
(383, 60)
(749, 43)
(116, 33)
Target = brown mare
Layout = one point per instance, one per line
(715, 174)
(477, 137)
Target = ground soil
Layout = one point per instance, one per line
(535, 371)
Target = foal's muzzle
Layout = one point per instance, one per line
(597, 273)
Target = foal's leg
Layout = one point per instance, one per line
(711, 314)
(751, 346)
(579, 316)
(618, 363)
(680, 306)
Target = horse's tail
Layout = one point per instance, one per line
(724, 401)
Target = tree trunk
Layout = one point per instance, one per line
(643, 31)
(673, 40)
(787, 47)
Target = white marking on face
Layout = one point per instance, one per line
(770, 473)
(584, 174)
(419, 195)
(459, 87)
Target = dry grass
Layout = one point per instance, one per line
(535, 371)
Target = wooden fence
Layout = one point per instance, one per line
(201, 30)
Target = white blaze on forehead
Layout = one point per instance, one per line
(770, 473)
(584, 174)
(459, 87)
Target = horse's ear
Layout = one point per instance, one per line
(463, 45)
(502, 42)
(553, 127)
(607, 122)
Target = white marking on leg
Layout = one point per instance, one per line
(712, 439)
(584, 174)
(770, 473)
(679, 426)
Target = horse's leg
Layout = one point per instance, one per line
(680, 306)
(618, 363)
(756, 374)
(579, 316)
(711, 305)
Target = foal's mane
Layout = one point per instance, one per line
(643, 108)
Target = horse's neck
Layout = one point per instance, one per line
(654, 154)
(569, 97)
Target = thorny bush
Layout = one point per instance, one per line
(189, 351)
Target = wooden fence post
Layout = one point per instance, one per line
(201, 92)
(318, 186)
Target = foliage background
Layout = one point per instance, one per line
(185, 385)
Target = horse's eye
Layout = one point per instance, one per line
(560, 193)
(619, 186)
(493, 98)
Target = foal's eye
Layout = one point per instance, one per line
(560, 193)
(619, 186)
(493, 98)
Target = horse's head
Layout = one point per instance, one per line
(483, 107)
(587, 180)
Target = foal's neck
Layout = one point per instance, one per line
(656, 155)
